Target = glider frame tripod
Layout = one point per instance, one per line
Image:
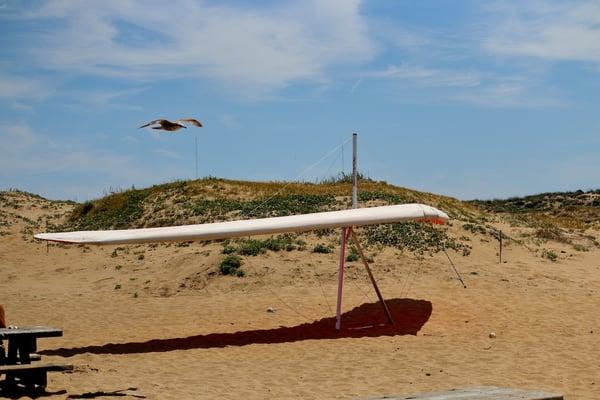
(348, 232)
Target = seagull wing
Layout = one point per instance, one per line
(156, 121)
(191, 121)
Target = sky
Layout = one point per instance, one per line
(472, 99)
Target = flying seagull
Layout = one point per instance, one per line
(166, 125)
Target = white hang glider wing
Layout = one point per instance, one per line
(232, 229)
(345, 219)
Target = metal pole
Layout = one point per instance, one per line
(354, 172)
(196, 146)
(500, 238)
(338, 313)
(362, 256)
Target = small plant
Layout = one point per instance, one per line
(228, 249)
(141, 257)
(231, 266)
(550, 255)
(251, 248)
(474, 228)
(352, 255)
(117, 286)
(321, 248)
(580, 247)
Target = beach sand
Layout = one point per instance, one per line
(157, 318)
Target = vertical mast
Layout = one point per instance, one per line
(196, 147)
(354, 172)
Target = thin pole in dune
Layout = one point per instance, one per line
(354, 171)
(196, 146)
(500, 239)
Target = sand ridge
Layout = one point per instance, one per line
(159, 319)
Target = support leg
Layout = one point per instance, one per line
(338, 314)
(364, 259)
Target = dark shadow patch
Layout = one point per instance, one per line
(366, 320)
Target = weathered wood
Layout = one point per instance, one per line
(477, 393)
(34, 331)
(32, 376)
(35, 367)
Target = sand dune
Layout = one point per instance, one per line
(158, 319)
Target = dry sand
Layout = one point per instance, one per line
(154, 318)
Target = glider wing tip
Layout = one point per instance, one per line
(48, 237)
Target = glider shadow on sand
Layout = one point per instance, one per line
(366, 320)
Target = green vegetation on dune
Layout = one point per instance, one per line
(210, 210)
(414, 237)
(571, 210)
(116, 211)
(211, 199)
(550, 216)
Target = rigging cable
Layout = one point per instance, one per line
(299, 175)
(276, 296)
(454, 267)
(302, 173)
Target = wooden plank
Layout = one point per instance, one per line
(477, 393)
(36, 331)
(35, 367)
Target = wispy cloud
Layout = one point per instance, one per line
(77, 167)
(16, 136)
(25, 150)
(546, 30)
(21, 91)
(169, 154)
(251, 50)
(109, 98)
(421, 76)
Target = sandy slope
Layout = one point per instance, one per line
(174, 330)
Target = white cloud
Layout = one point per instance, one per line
(24, 150)
(108, 98)
(253, 51)
(169, 154)
(428, 77)
(19, 90)
(15, 136)
(553, 31)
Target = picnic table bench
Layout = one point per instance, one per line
(17, 364)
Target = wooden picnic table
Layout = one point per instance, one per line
(16, 364)
(22, 342)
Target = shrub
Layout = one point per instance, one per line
(474, 228)
(550, 232)
(352, 255)
(550, 255)
(251, 247)
(231, 265)
(412, 236)
(321, 248)
(228, 249)
(580, 247)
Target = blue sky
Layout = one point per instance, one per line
(471, 99)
